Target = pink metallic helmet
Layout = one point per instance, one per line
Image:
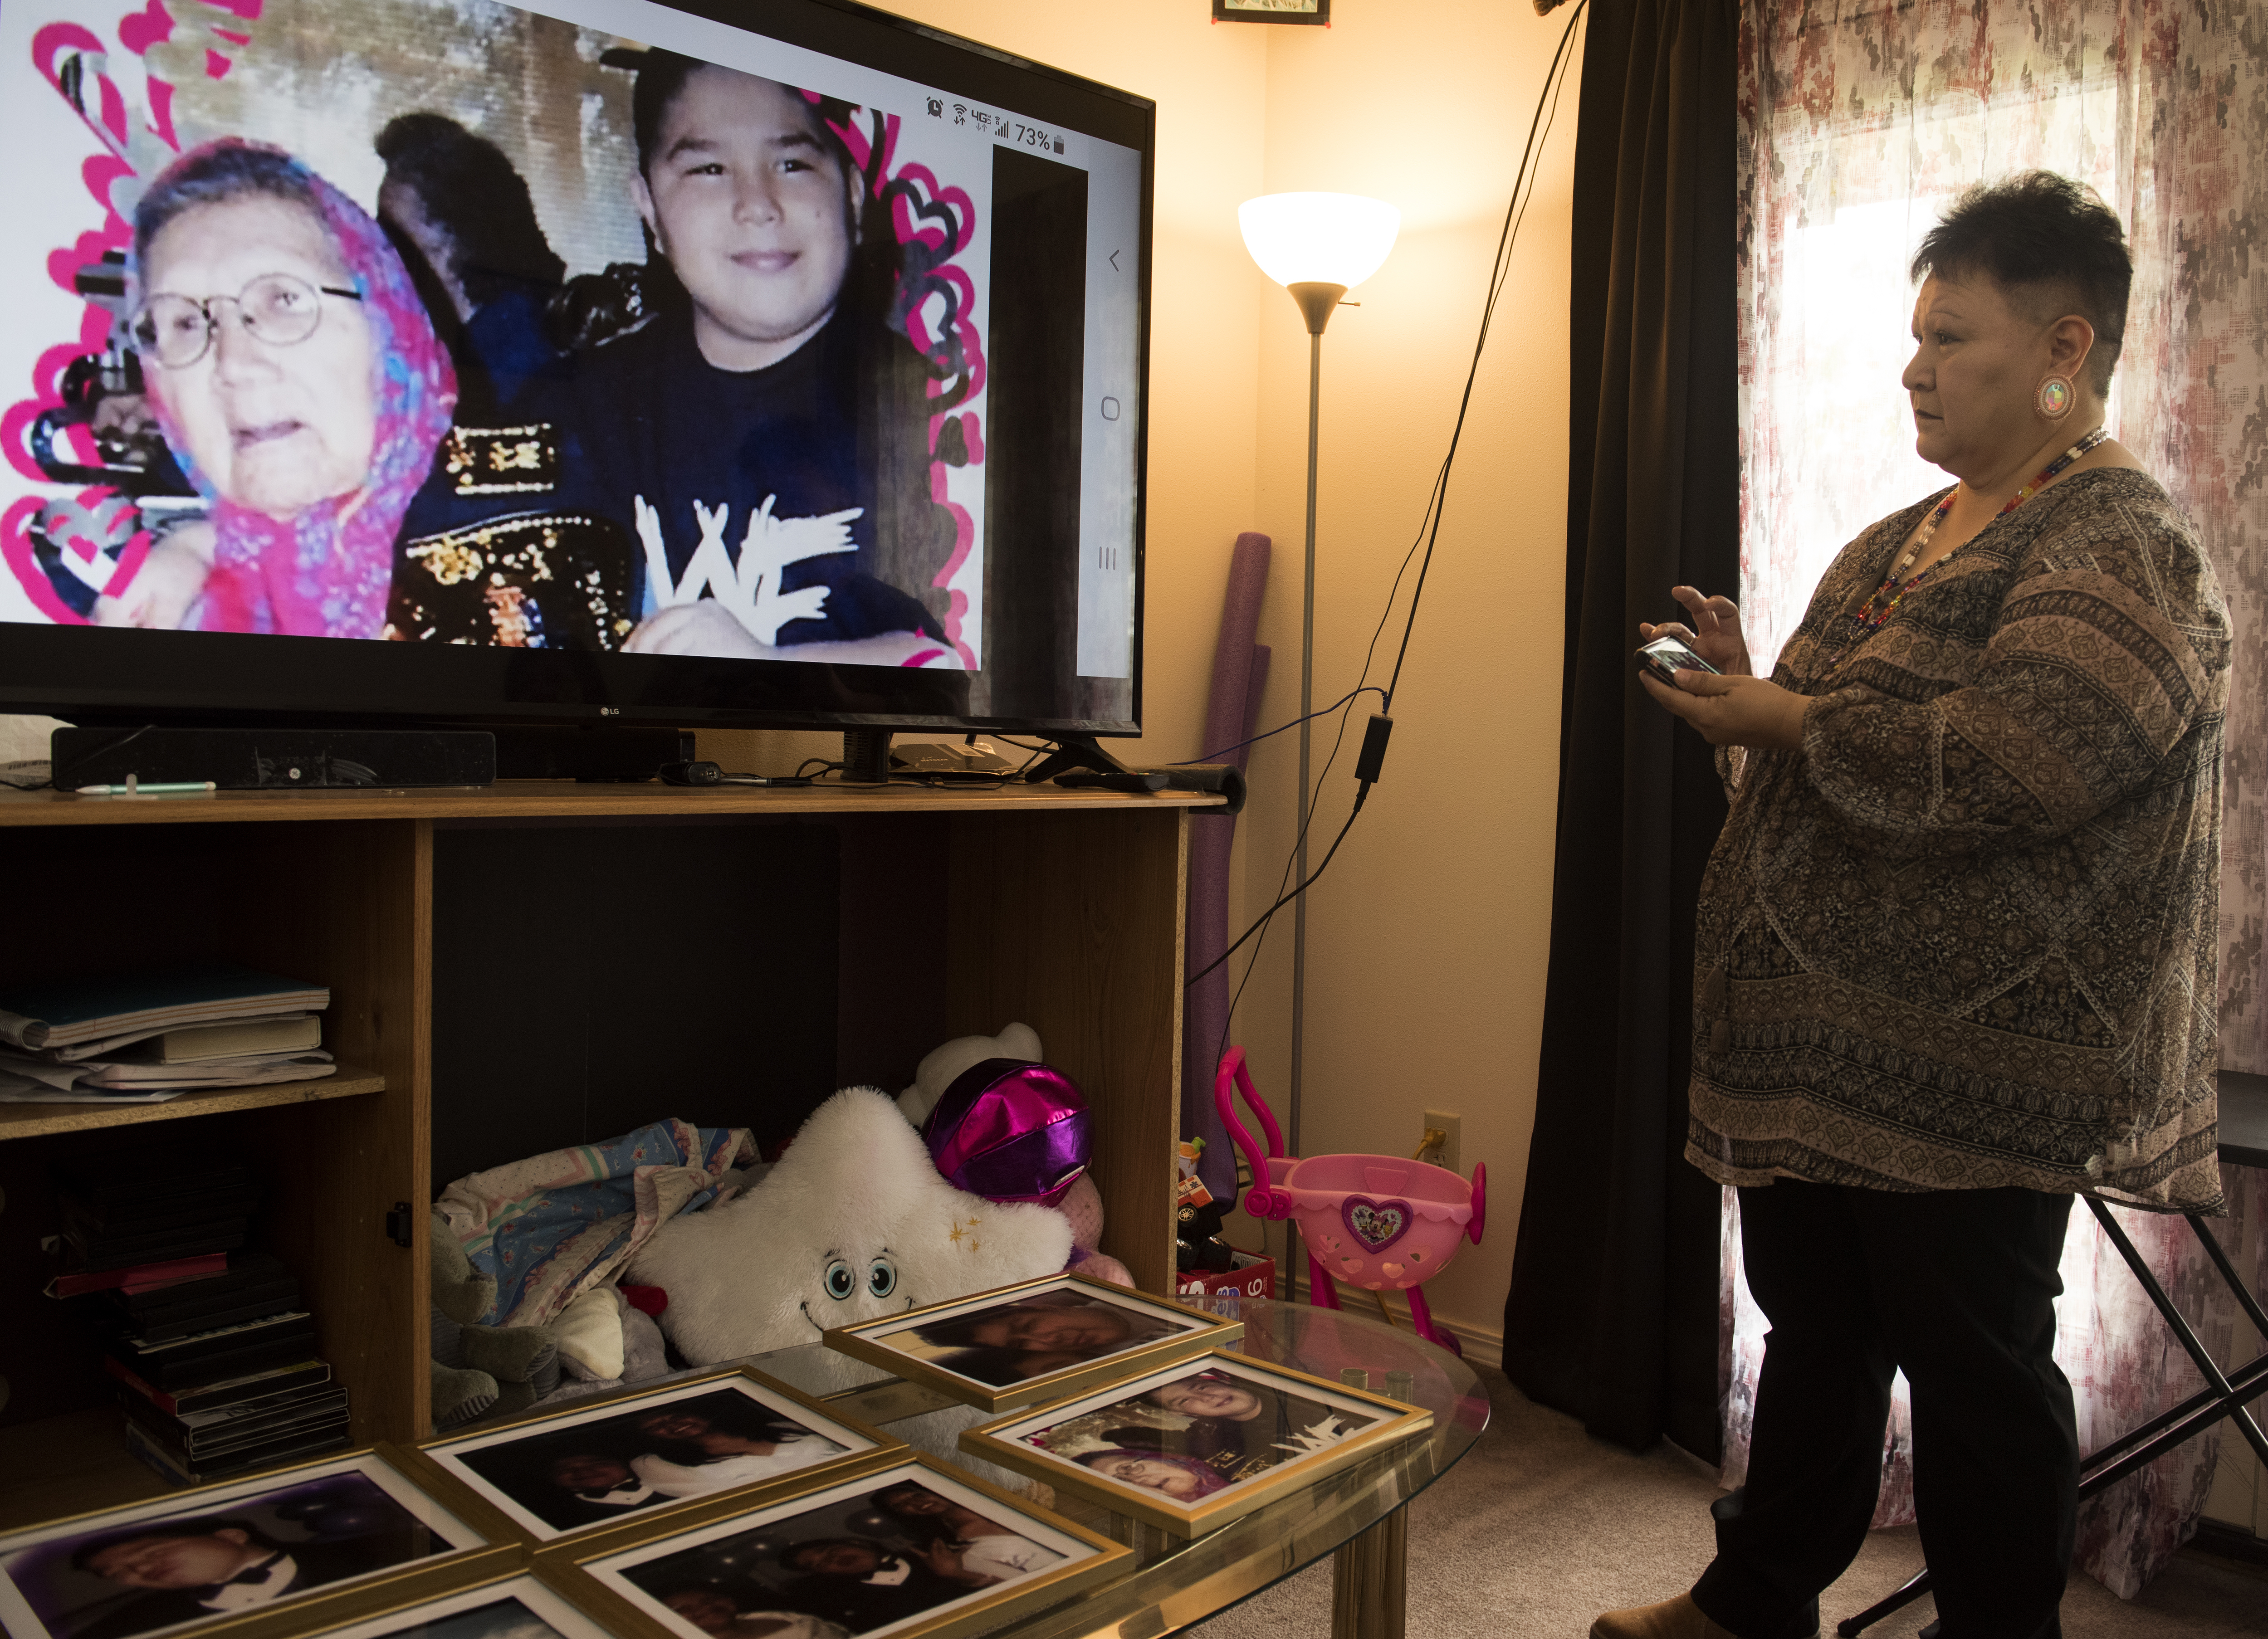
(1009, 1130)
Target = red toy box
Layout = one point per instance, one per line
(1252, 1277)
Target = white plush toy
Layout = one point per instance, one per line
(935, 1074)
(855, 1222)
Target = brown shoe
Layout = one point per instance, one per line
(1673, 1619)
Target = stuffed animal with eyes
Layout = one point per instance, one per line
(936, 1077)
(854, 1223)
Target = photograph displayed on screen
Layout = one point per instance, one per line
(231, 1551)
(580, 1469)
(876, 1556)
(451, 321)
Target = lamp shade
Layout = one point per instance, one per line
(1321, 239)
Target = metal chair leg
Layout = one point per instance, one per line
(2224, 1395)
(1851, 1627)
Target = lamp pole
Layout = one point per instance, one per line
(1307, 750)
(1316, 300)
(1292, 236)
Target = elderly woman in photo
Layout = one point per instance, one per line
(1955, 950)
(299, 382)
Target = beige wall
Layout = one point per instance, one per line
(1427, 940)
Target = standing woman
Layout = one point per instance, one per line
(1955, 952)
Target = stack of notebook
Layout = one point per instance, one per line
(143, 1037)
(219, 1375)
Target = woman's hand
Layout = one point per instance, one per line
(1734, 710)
(1715, 634)
(167, 583)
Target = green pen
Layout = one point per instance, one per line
(135, 788)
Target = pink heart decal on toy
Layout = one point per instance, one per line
(1377, 1224)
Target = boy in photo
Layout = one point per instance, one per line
(603, 1487)
(731, 432)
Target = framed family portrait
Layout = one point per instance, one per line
(1039, 1340)
(595, 1464)
(315, 1531)
(913, 1551)
(499, 1597)
(1318, 12)
(1194, 1446)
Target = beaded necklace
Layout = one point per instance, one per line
(1883, 602)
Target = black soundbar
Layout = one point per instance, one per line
(256, 759)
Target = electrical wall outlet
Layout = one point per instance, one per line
(1449, 1153)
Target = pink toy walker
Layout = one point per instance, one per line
(1377, 1221)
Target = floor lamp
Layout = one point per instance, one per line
(1318, 246)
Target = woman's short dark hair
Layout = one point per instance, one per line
(2045, 239)
(472, 192)
(216, 175)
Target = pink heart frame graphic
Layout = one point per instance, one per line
(1366, 1228)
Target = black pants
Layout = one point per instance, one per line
(1956, 1288)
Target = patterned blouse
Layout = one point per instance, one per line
(1965, 937)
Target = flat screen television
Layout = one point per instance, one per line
(776, 363)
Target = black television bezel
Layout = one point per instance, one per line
(246, 679)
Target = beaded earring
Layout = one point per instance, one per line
(2056, 397)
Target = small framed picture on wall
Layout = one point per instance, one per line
(1272, 11)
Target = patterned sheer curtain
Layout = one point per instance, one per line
(1859, 123)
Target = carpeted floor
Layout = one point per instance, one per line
(1542, 1527)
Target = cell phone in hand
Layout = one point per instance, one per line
(1667, 656)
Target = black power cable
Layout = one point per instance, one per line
(1371, 758)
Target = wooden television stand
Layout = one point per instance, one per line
(1060, 908)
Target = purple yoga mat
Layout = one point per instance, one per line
(1240, 672)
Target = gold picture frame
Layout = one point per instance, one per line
(890, 1343)
(495, 1475)
(485, 1575)
(600, 1572)
(1221, 1466)
(44, 1596)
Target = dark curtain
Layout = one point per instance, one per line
(1612, 1314)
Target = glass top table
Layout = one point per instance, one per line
(1357, 1511)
